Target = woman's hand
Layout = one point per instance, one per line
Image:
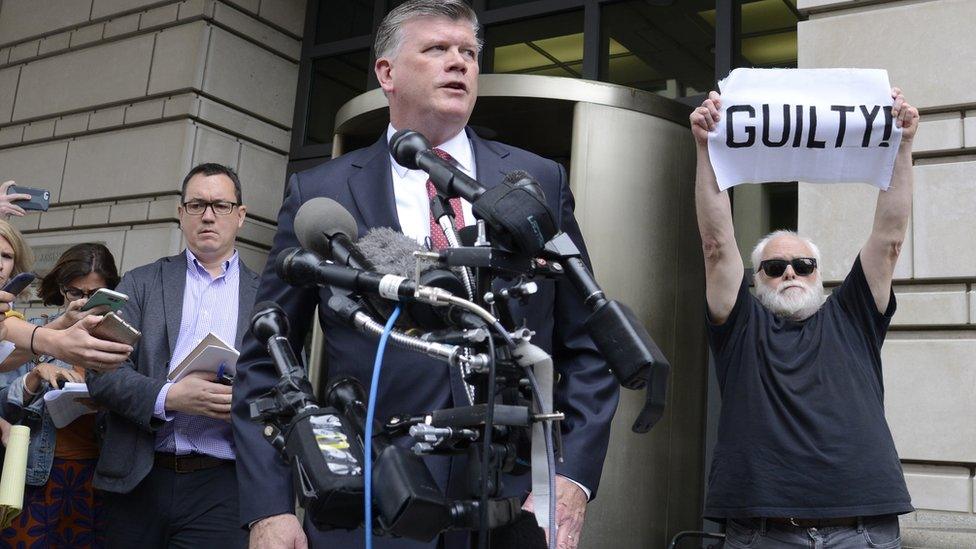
(50, 373)
(73, 314)
(7, 207)
(4, 431)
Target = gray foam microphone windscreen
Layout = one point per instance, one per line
(319, 220)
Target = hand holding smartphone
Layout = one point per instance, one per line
(8, 199)
(113, 328)
(37, 199)
(19, 283)
(103, 297)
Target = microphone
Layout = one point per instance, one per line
(393, 253)
(517, 216)
(269, 324)
(521, 179)
(412, 150)
(328, 229)
(634, 358)
(300, 267)
(323, 226)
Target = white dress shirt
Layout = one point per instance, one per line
(410, 187)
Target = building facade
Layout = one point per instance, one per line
(108, 103)
(929, 365)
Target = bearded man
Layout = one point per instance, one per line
(804, 455)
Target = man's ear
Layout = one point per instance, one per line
(384, 74)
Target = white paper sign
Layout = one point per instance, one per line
(814, 125)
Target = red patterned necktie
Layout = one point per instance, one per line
(437, 238)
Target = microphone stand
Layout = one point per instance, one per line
(440, 208)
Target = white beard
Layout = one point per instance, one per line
(792, 304)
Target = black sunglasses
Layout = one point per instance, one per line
(802, 266)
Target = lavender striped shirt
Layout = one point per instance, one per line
(210, 304)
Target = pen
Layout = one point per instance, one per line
(220, 370)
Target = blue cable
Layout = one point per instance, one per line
(370, 412)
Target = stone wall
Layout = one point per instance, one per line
(930, 369)
(108, 103)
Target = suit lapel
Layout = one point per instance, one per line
(247, 290)
(490, 160)
(371, 186)
(174, 284)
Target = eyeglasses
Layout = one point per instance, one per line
(802, 266)
(73, 293)
(219, 207)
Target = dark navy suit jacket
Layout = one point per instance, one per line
(362, 182)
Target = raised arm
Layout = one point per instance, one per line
(880, 253)
(723, 264)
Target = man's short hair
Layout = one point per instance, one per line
(389, 35)
(212, 168)
(757, 252)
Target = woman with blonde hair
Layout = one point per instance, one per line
(15, 257)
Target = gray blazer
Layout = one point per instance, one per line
(155, 308)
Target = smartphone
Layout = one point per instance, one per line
(19, 283)
(39, 201)
(113, 328)
(105, 297)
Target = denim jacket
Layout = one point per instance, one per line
(40, 453)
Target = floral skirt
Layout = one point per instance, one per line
(65, 512)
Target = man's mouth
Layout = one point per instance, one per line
(460, 86)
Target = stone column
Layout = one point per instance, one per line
(108, 103)
(930, 356)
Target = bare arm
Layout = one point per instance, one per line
(73, 345)
(723, 264)
(880, 254)
(18, 333)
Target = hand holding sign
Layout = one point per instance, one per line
(906, 117)
(704, 118)
(816, 125)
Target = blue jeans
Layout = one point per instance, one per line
(870, 532)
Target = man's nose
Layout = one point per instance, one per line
(789, 273)
(456, 61)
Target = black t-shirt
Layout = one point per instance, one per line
(802, 431)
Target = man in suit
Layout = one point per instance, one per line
(427, 65)
(167, 460)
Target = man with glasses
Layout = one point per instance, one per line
(167, 461)
(804, 455)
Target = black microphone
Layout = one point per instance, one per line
(300, 267)
(634, 358)
(323, 226)
(517, 215)
(521, 179)
(412, 150)
(269, 324)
